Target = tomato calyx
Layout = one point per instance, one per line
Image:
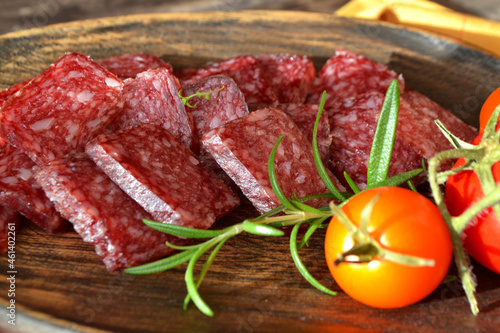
(365, 248)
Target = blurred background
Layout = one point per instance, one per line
(25, 14)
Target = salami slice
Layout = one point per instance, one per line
(347, 74)
(5, 94)
(353, 127)
(163, 176)
(101, 213)
(128, 65)
(419, 112)
(153, 98)
(20, 191)
(69, 103)
(245, 70)
(291, 76)
(223, 106)
(304, 115)
(9, 223)
(242, 148)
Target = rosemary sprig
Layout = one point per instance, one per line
(292, 212)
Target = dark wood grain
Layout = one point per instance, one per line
(253, 286)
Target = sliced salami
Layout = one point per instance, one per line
(5, 94)
(152, 97)
(304, 115)
(9, 223)
(128, 65)
(245, 70)
(418, 114)
(69, 103)
(20, 191)
(242, 148)
(291, 76)
(225, 105)
(163, 176)
(348, 74)
(353, 127)
(101, 213)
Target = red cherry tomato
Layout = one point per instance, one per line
(402, 221)
(487, 109)
(482, 235)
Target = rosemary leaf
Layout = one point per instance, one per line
(317, 158)
(398, 179)
(383, 140)
(205, 269)
(351, 183)
(274, 181)
(184, 232)
(162, 264)
(313, 226)
(300, 265)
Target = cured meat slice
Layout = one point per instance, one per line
(20, 191)
(101, 213)
(60, 109)
(245, 70)
(420, 112)
(304, 115)
(9, 223)
(223, 106)
(128, 65)
(353, 127)
(347, 74)
(163, 176)
(242, 148)
(291, 76)
(5, 94)
(153, 98)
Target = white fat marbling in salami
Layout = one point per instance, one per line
(245, 70)
(152, 97)
(128, 65)
(163, 176)
(20, 191)
(101, 213)
(291, 76)
(60, 109)
(242, 148)
(348, 74)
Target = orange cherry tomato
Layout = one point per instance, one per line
(402, 221)
(487, 109)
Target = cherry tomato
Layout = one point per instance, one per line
(482, 235)
(487, 109)
(402, 221)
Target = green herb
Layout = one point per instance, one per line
(185, 99)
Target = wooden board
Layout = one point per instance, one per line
(253, 286)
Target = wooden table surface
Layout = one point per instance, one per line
(24, 14)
